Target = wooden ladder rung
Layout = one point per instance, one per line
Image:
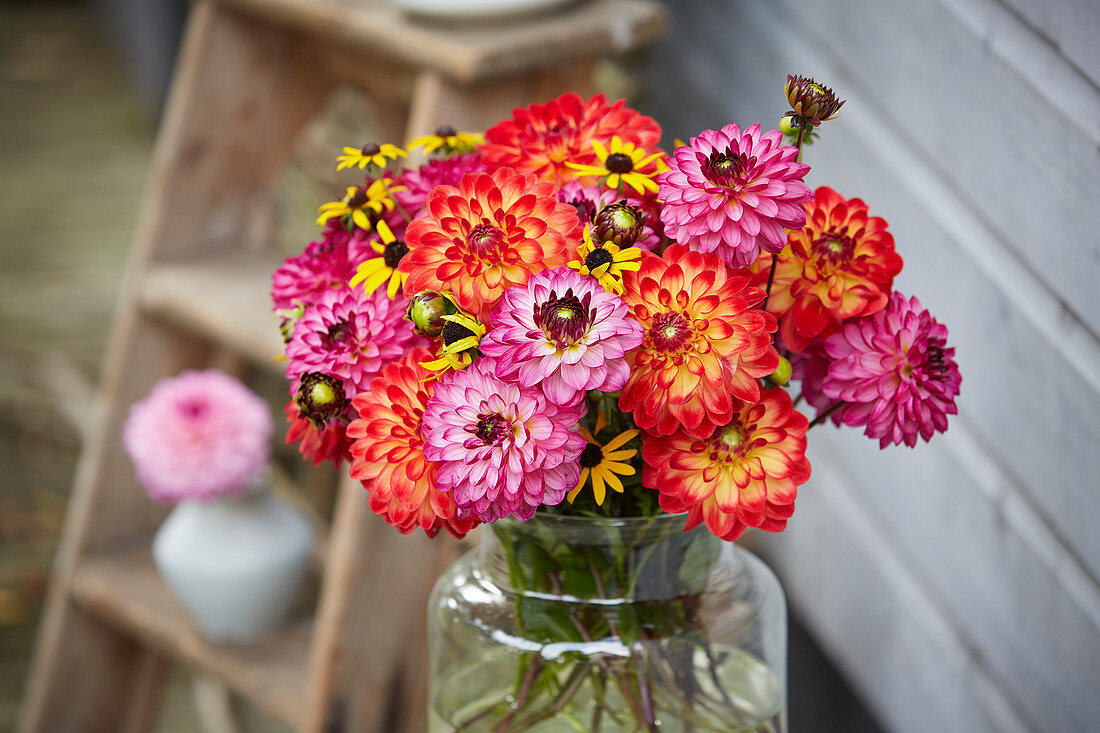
(223, 298)
(122, 587)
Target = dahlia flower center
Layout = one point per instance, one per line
(393, 253)
(339, 333)
(193, 408)
(729, 444)
(586, 210)
(833, 248)
(729, 169)
(619, 163)
(485, 239)
(934, 358)
(491, 428)
(591, 456)
(597, 258)
(670, 331)
(564, 319)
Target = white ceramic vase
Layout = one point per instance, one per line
(236, 565)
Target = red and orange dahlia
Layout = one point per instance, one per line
(542, 138)
(704, 342)
(745, 474)
(327, 442)
(841, 265)
(491, 232)
(388, 452)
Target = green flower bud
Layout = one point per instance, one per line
(620, 223)
(320, 397)
(426, 311)
(782, 373)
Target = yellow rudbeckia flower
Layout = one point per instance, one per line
(447, 139)
(624, 163)
(606, 262)
(462, 334)
(378, 270)
(357, 202)
(370, 154)
(604, 463)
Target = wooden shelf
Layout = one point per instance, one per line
(473, 50)
(123, 588)
(225, 298)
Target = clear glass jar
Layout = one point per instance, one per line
(591, 624)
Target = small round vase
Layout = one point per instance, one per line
(236, 565)
(565, 624)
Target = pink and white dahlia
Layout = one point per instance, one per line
(562, 331)
(419, 182)
(199, 435)
(591, 200)
(734, 192)
(503, 449)
(350, 335)
(894, 372)
(324, 265)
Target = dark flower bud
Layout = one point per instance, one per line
(320, 397)
(811, 102)
(426, 311)
(620, 223)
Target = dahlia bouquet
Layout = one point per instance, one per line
(558, 317)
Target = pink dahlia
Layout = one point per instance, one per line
(734, 193)
(562, 331)
(894, 372)
(503, 449)
(419, 182)
(350, 335)
(199, 435)
(324, 265)
(591, 200)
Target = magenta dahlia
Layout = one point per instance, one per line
(199, 435)
(350, 335)
(326, 264)
(419, 182)
(563, 331)
(734, 192)
(503, 450)
(894, 373)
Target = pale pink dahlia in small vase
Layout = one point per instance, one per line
(734, 192)
(894, 373)
(199, 435)
(562, 331)
(503, 449)
(350, 335)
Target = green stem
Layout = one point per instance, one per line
(400, 208)
(825, 415)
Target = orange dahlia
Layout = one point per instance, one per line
(388, 451)
(491, 232)
(841, 265)
(704, 342)
(745, 474)
(543, 138)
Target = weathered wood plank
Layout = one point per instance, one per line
(470, 52)
(878, 623)
(122, 587)
(1072, 25)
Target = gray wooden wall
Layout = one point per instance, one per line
(956, 585)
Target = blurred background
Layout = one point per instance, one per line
(953, 587)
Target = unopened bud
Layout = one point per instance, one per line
(620, 223)
(782, 373)
(320, 397)
(426, 311)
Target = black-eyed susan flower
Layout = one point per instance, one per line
(447, 139)
(461, 336)
(370, 154)
(624, 163)
(362, 206)
(603, 464)
(383, 268)
(605, 261)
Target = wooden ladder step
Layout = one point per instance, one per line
(224, 298)
(122, 587)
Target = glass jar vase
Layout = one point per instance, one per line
(593, 624)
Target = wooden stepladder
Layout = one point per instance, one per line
(251, 74)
